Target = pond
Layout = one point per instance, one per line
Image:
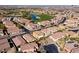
(52, 48)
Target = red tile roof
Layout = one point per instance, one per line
(22, 20)
(75, 50)
(2, 41)
(13, 30)
(28, 38)
(4, 46)
(45, 23)
(57, 35)
(18, 41)
(69, 46)
(8, 23)
(34, 45)
(27, 48)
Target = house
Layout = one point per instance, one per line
(8, 24)
(52, 29)
(34, 45)
(13, 30)
(56, 36)
(59, 19)
(2, 40)
(26, 21)
(69, 46)
(71, 22)
(11, 27)
(32, 26)
(4, 45)
(23, 21)
(3, 37)
(71, 34)
(46, 32)
(45, 23)
(38, 34)
(27, 48)
(76, 50)
(55, 22)
(28, 38)
(18, 41)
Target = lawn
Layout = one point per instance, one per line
(2, 26)
(44, 17)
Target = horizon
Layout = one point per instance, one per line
(38, 6)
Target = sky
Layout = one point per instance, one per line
(39, 2)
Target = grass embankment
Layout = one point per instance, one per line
(2, 26)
